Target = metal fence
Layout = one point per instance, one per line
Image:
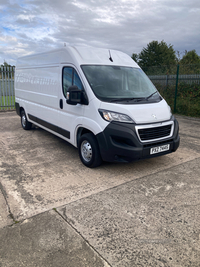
(167, 80)
(167, 74)
(7, 92)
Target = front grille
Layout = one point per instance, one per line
(154, 133)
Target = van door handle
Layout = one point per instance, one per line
(61, 104)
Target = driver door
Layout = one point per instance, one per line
(70, 116)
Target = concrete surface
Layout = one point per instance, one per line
(5, 218)
(46, 240)
(144, 213)
(151, 221)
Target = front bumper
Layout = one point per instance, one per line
(119, 142)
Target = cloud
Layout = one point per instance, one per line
(126, 25)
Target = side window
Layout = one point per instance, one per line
(67, 79)
(70, 77)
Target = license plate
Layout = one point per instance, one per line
(159, 149)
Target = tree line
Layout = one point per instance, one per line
(159, 54)
(5, 64)
(5, 70)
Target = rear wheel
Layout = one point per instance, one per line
(26, 125)
(89, 150)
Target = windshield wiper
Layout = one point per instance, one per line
(151, 95)
(135, 99)
(126, 99)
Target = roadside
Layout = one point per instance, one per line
(144, 213)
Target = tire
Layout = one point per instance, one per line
(26, 125)
(89, 151)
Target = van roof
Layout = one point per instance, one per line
(77, 55)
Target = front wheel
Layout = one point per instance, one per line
(89, 150)
(26, 125)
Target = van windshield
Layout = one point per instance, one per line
(120, 84)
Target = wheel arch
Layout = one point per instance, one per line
(21, 109)
(89, 126)
(80, 132)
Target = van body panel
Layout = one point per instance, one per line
(94, 116)
(157, 112)
(99, 56)
(37, 91)
(50, 58)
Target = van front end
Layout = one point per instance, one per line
(139, 121)
(126, 142)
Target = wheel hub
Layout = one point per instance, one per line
(86, 151)
(24, 120)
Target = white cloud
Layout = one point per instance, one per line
(127, 25)
(8, 39)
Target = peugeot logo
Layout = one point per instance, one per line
(154, 116)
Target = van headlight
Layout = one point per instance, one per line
(114, 116)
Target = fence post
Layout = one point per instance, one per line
(177, 73)
(167, 77)
(3, 87)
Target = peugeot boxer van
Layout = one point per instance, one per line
(98, 100)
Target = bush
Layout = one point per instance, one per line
(187, 101)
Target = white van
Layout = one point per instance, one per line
(99, 100)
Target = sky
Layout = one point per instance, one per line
(32, 26)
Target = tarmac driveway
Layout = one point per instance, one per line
(144, 213)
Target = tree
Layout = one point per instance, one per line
(135, 57)
(190, 57)
(5, 64)
(6, 69)
(157, 54)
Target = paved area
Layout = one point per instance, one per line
(56, 212)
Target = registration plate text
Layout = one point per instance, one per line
(159, 149)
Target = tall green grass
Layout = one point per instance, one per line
(187, 101)
(7, 101)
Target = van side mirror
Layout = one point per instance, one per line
(73, 95)
(76, 96)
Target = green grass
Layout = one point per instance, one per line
(7, 101)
